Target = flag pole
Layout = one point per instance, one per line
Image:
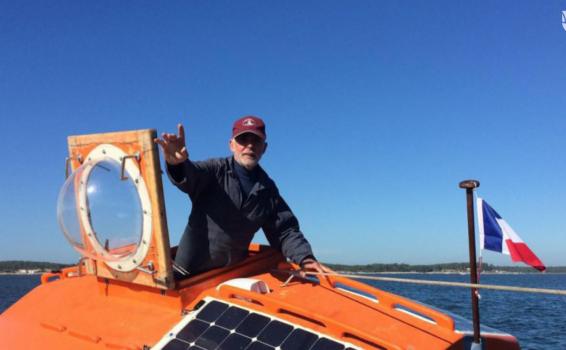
(470, 185)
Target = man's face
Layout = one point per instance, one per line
(248, 149)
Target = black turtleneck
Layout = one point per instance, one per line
(248, 178)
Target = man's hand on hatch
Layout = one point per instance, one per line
(311, 265)
(173, 146)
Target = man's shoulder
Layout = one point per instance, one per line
(219, 162)
(266, 180)
(215, 166)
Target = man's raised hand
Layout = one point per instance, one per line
(173, 146)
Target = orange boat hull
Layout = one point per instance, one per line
(86, 312)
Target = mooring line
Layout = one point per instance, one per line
(445, 283)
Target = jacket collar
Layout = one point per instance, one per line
(263, 181)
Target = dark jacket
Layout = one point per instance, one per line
(222, 223)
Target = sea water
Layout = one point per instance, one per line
(537, 320)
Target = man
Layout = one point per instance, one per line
(232, 199)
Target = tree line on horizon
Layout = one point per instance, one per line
(15, 265)
(446, 267)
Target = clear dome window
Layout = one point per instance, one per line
(114, 208)
(103, 215)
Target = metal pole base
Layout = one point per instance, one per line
(476, 346)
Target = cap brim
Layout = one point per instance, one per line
(255, 132)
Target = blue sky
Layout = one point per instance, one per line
(375, 111)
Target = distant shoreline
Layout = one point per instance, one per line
(446, 273)
(346, 273)
(16, 267)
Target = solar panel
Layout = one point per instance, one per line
(222, 326)
(212, 337)
(252, 325)
(232, 317)
(192, 331)
(235, 342)
(327, 344)
(175, 344)
(212, 311)
(275, 332)
(299, 339)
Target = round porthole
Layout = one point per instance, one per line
(104, 215)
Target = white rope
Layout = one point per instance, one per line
(446, 284)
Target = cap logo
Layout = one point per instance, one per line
(248, 122)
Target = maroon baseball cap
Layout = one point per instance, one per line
(249, 124)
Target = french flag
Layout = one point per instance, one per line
(498, 236)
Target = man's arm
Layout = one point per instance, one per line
(188, 176)
(283, 233)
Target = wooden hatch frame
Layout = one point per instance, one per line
(155, 269)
